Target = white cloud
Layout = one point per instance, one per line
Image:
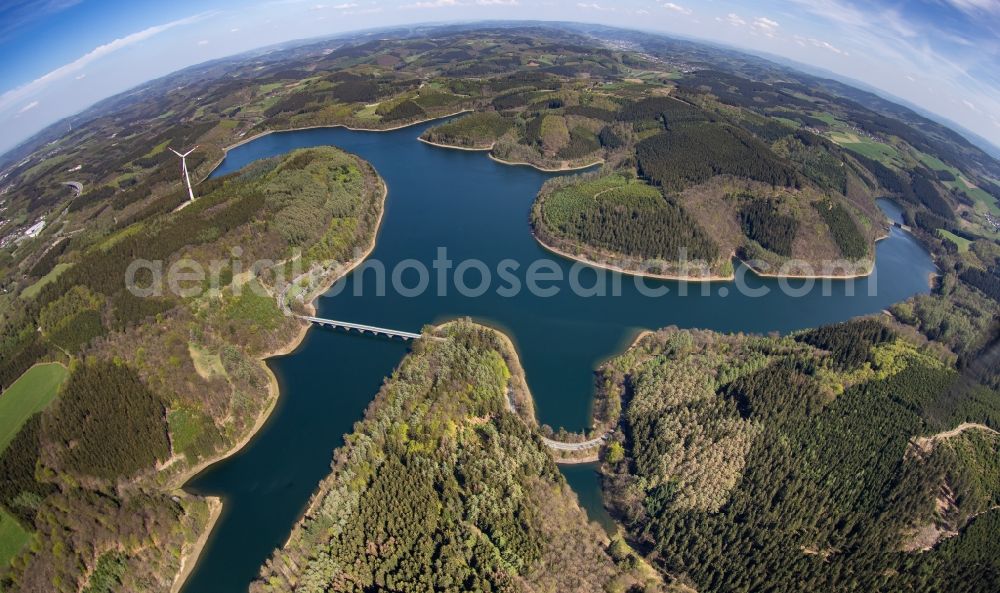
(826, 45)
(234, 30)
(81, 76)
(203, 42)
(373, 10)
(594, 6)
(765, 26)
(434, 4)
(971, 105)
(15, 95)
(28, 107)
(735, 20)
(976, 6)
(498, 2)
(677, 8)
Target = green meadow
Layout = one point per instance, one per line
(27, 396)
(12, 537)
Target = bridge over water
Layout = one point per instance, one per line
(372, 329)
(591, 444)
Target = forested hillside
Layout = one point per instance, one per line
(806, 439)
(159, 384)
(441, 488)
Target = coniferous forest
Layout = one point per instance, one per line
(821, 449)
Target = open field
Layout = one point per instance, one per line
(28, 395)
(960, 242)
(32, 291)
(984, 201)
(12, 537)
(865, 146)
(206, 364)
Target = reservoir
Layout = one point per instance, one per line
(473, 208)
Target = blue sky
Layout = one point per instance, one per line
(59, 56)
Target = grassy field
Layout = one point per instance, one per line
(28, 395)
(826, 117)
(984, 201)
(865, 146)
(961, 243)
(33, 290)
(206, 364)
(12, 537)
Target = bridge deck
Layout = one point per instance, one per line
(361, 327)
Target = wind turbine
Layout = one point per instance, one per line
(187, 178)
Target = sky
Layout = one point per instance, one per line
(59, 56)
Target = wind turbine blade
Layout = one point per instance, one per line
(175, 152)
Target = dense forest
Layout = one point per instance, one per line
(845, 231)
(692, 153)
(762, 223)
(441, 488)
(619, 215)
(94, 435)
(728, 437)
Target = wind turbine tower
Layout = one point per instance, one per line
(187, 178)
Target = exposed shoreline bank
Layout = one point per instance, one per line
(189, 559)
(710, 278)
(618, 269)
(512, 163)
(546, 169)
(465, 148)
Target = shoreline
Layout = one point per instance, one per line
(613, 268)
(465, 148)
(274, 394)
(544, 169)
(258, 135)
(518, 376)
(512, 163)
(578, 460)
(712, 278)
(187, 566)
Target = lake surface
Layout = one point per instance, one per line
(474, 208)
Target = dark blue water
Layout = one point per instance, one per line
(585, 480)
(474, 208)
